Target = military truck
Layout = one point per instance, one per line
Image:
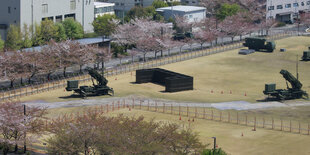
(98, 88)
(295, 92)
(306, 55)
(259, 44)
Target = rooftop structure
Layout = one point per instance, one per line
(192, 13)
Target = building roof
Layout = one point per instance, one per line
(102, 4)
(84, 41)
(182, 8)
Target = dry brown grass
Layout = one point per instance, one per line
(225, 72)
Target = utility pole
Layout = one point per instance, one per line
(25, 147)
(214, 144)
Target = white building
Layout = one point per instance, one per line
(103, 8)
(31, 12)
(286, 10)
(192, 13)
(123, 6)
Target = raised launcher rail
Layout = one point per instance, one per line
(173, 81)
(295, 92)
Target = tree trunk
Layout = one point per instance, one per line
(161, 53)
(132, 59)
(201, 46)
(65, 71)
(232, 39)
(144, 57)
(169, 52)
(240, 37)
(16, 148)
(120, 61)
(155, 55)
(12, 83)
(216, 41)
(102, 65)
(21, 81)
(48, 76)
(81, 68)
(180, 49)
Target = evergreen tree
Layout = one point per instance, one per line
(1, 44)
(74, 29)
(48, 30)
(27, 42)
(159, 4)
(14, 38)
(61, 32)
(37, 37)
(103, 25)
(227, 10)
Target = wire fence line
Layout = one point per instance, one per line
(17, 93)
(191, 113)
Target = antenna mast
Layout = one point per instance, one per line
(297, 66)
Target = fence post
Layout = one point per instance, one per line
(171, 108)
(272, 124)
(164, 106)
(140, 104)
(133, 103)
(212, 114)
(155, 106)
(204, 113)
(263, 122)
(299, 127)
(281, 125)
(255, 123)
(195, 112)
(148, 105)
(228, 117)
(187, 111)
(290, 125)
(220, 116)
(237, 118)
(246, 120)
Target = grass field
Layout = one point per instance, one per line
(227, 71)
(229, 136)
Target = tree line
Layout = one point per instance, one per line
(92, 133)
(52, 57)
(40, 34)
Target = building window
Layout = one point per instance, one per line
(288, 5)
(308, 2)
(302, 3)
(279, 7)
(271, 8)
(70, 16)
(59, 18)
(190, 16)
(9, 9)
(44, 8)
(295, 4)
(72, 4)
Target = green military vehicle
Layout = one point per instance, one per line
(259, 44)
(98, 88)
(295, 92)
(306, 55)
